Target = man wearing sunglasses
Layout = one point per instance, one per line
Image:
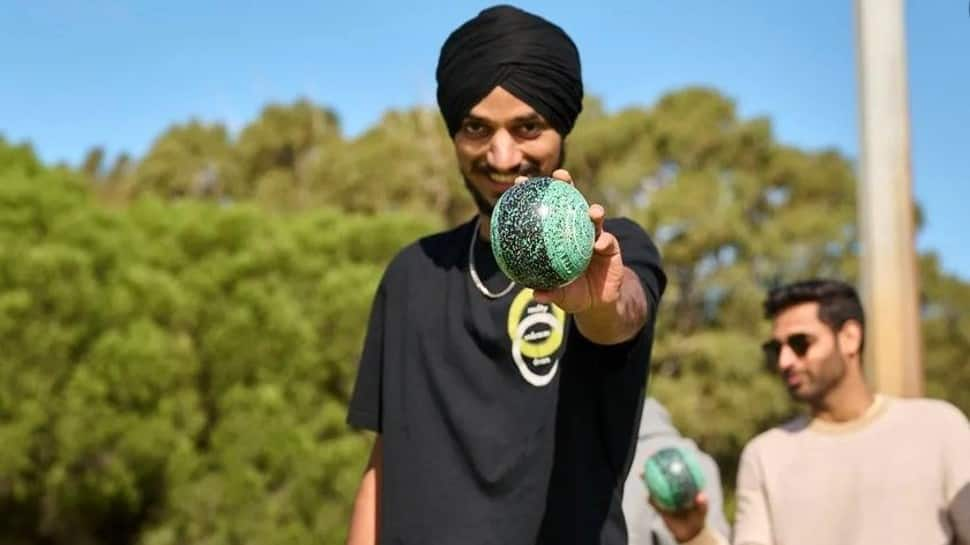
(859, 467)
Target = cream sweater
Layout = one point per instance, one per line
(899, 474)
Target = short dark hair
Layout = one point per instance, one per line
(837, 301)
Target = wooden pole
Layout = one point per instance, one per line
(893, 354)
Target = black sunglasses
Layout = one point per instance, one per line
(798, 342)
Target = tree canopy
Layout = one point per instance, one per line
(179, 332)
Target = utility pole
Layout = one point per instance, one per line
(893, 353)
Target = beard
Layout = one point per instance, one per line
(527, 168)
(815, 388)
(481, 202)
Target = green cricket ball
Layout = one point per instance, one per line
(673, 477)
(541, 233)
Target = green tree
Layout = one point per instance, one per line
(284, 148)
(175, 367)
(946, 334)
(178, 372)
(190, 160)
(194, 159)
(405, 163)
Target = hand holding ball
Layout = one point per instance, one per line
(673, 478)
(541, 233)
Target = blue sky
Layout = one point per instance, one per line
(116, 73)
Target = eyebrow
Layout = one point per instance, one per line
(527, 118)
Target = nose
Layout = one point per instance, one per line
(786, 358)
(504, 154)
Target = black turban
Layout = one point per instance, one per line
(527, 55)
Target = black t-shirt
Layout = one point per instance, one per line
(487, 407)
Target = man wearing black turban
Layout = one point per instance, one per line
(504, 416)
(528, 56)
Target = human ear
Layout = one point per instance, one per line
(850, 338)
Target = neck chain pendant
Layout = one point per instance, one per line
(474, 274)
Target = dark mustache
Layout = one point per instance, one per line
(524, 169)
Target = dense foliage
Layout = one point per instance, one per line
(179, 332)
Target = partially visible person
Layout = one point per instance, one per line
(860, 467)
(644, 524)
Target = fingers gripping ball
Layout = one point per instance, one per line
(673, 478)
(541, 233)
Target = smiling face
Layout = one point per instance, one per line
(501, 138)
(809, 355)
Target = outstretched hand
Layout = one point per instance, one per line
(599, 285)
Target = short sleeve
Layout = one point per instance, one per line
(641, 255)
(365, 402)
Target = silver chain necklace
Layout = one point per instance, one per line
(471, 268)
